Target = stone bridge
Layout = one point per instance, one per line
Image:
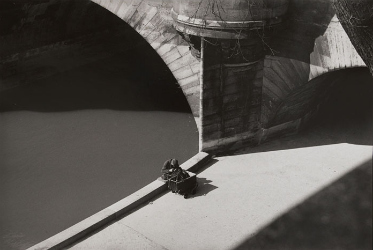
(250, 70)
(261, 69)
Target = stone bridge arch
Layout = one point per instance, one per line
(286, 74)
(233, 96)
(152, 20)
(312, 44)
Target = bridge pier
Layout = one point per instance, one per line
(231, 51)
(259, 72)
(263, 70)
(231, 91)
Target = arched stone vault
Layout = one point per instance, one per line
(263, 89)
(152, 20)
(310, 44)
(332, 51)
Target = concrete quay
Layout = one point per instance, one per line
(307, 191)
(238, 196)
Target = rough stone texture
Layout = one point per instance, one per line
(284, 76)
(310, 43)
(246, 82)
(357, 20)
(152, 20)
(232, 90)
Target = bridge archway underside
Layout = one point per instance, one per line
(152, 20)
(245, 82)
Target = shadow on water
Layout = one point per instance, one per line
(109, 66)
(58, 167)
(337, 217)
(111, 84)
(135, 80)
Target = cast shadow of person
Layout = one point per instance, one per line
(204, 187)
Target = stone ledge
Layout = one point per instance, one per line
(111, 213)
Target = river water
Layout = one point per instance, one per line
(77, 142)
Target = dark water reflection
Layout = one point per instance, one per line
(72, 144)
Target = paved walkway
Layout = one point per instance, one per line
(237, 197)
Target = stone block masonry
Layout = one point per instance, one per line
(258, 67)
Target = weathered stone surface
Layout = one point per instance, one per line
(261, 80)
(356, 18)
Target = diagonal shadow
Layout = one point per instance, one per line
(337, 217)
(204, 187)
(204, 184)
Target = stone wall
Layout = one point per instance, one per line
(245, 96)
(309, 44)
(232, 86)
(251, 86)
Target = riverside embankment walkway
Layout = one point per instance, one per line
(241, 194)
(238, 196)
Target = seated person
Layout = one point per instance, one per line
(168, 167)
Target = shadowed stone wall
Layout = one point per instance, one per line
(248, 83)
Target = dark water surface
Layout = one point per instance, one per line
(72, 144)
